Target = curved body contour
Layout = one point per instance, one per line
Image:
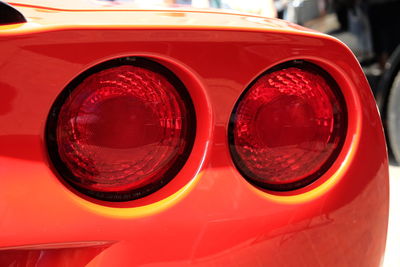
(208, 214)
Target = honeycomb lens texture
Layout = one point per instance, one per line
(121, 129)
(287, 127)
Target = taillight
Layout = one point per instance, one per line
(288, 127)
(122, 130)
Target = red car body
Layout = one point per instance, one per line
(208, 215)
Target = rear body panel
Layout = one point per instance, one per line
(209, 214)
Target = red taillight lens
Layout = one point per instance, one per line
(288, 127)
(122, 132)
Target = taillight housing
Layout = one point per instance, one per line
(288, 127)
(121, 130)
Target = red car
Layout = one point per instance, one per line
(172, 137)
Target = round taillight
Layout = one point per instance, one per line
(121, 130)
(288, 127)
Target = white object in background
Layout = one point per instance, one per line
(200, 3)
(260, 7)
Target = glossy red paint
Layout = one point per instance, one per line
(208, 214)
